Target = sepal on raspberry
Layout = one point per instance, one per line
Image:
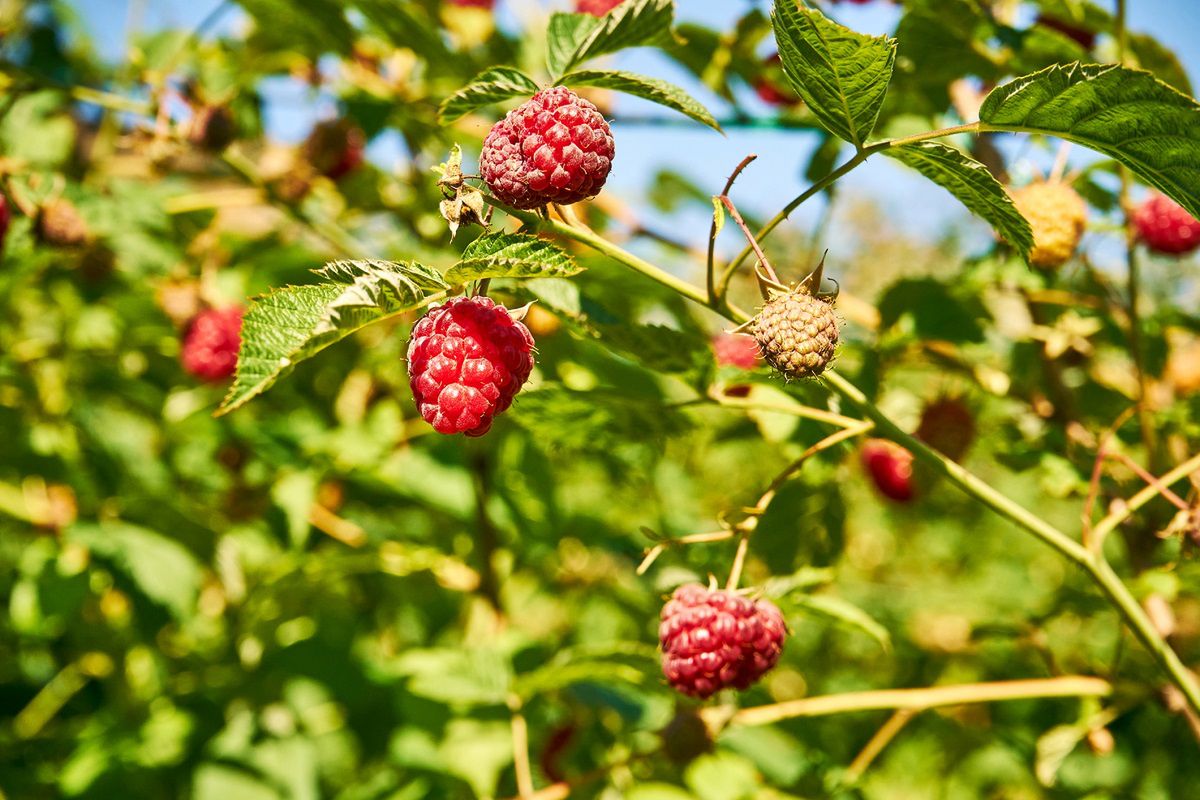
(467, 359)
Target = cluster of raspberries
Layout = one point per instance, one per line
(713, 640)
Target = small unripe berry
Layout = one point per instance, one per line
(213, 128)
(60, 224)
(891, 469)
(686, 736)
(554, 148)
(947, 426)
(211, 342)
(467, 359)
(713, 640)
(335, 148)
(1165, 226)
(797, 334)
(1058, 217)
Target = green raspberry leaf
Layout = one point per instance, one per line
(290, 324)
(512, 255)
(842, 75)
(972, 184)
(652, 89)
(575, 38)
(490, 86)
(1124, 113)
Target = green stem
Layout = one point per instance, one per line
(824, 183)
(1145, 418)
(1092, 563)
(970, 483)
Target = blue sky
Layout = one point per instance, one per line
(908, 200)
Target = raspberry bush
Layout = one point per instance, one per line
(771, 483)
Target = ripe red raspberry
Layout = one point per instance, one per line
(771, 86)
(554, 148)
(736, 350)
(714, 640)
(211, 342)
(467, 360)
(890, 467)
(1165, 226)
(597, 8)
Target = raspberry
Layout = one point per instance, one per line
(554, 148)
(1058, 217)
(890, 467)
(467, 360)
(211, 342)
(597, 8)
(686, 736)
(797, 334)
(948, 427)
(1081, 36)
(335, 148)
(1165, 226)
(770, 88)
(5, 219)
(714, 640)
(735, 350)
(59, 224)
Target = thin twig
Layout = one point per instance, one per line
(1133, 504)
(710, 270)
(762, 257)
(488, 540)
(1097, 471)
(921, 699)
(1154, 482)
(520, 745)
(747, 526)
(882, 738)
(798, 410)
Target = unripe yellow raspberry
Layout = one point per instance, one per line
(1058, 217)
